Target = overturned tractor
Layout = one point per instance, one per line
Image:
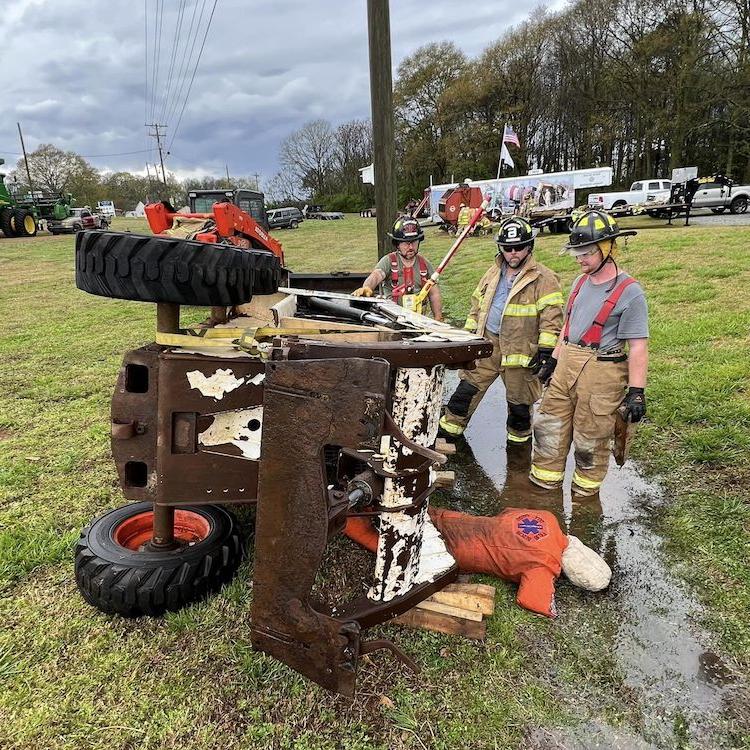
(316, 406)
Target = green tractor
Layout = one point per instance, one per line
(16, 219)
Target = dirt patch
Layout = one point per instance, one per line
(4, 434)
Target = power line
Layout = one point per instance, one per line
(195, 70)
(93, 156)
(172, 57)
(186, 58)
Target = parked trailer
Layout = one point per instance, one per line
(545, 197)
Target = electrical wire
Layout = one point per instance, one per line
(175, 45)
(192, 79)
(187, 57)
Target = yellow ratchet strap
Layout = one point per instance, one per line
(223, 337)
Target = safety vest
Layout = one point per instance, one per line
(407, 287)
(593, 336)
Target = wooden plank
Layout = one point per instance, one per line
(445, 609)
(465, 587)
(444, 480)
(425, 620)
(457, 599)
(444, 447)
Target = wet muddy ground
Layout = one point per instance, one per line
(687, 695)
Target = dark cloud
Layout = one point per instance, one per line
(74, 73)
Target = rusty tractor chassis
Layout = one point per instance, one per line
(314, 417)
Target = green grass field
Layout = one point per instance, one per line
(71, 677)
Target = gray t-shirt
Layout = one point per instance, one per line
(385, 266)
(628, 320)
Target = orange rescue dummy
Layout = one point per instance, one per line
(524, 546)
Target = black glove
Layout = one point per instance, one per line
(635, 404)
(546, 370)
(539, 360)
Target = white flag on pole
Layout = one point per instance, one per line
(505, 157)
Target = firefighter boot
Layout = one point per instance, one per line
(456, 416)
(519, 423)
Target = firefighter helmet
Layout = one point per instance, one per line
(515, 232)
(590, 229)
(406, 229)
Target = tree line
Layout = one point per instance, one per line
(643, 86)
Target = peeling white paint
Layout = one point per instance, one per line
(216, 385)
(240, 427)
(257, 379)
(400, 564)
(222, 352)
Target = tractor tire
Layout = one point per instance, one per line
(738, 205)
(24, 223)
(6, 222)
(116, 573)
(165, 269)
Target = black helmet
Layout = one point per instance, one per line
(406, 229)
(591, 228)
(515, 232)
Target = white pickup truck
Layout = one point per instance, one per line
(640, 193)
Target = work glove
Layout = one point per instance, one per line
(363, 291)
(470, 325)
(634, 404)
(539, 360)
(546, 370)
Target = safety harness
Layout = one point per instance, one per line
(593, 336)
(399, 290)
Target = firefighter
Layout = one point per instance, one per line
(464, 216)
(518, 306)
(598, 365)
(402, 273)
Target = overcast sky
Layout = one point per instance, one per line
(75, 73)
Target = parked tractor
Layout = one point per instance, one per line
(20, 215)
(313, 406)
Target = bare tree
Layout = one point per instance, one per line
(307, 155)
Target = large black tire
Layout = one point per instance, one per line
(165, 269)
(719, 209)
(6, 222)
(738, 205)
(119, 580)
(24, 223)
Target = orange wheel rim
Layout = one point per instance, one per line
(136, 531)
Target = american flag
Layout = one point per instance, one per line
(509, 136)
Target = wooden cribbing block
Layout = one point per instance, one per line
(426, 620)
(446, 609)
(444, 480)
(475, 597)
(444, 447)
(458, 609)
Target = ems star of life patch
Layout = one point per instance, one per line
(531, 528)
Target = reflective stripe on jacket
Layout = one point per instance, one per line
(532, 317)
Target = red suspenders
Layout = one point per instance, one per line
(593, 336)
(400, 289)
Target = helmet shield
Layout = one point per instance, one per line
(591, 228)
(515, 232)
(406, 229)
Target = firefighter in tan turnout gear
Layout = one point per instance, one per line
(598, 366)
(518, 306)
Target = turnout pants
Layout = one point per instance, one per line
(522, 389)
(579, 406)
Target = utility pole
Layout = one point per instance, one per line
(26, 162)
(256, 176)
(156, 134)
(229, 183)
(381, 98)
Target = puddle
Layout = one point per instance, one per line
(660, 648)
